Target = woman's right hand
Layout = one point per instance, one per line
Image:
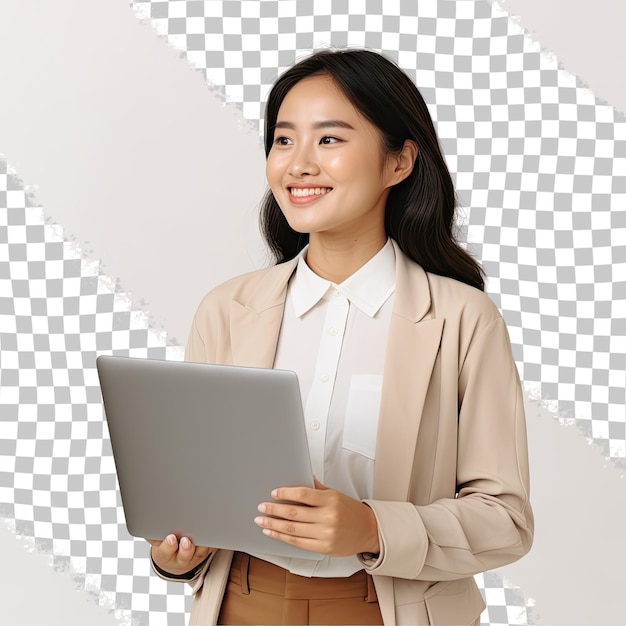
(177, 557)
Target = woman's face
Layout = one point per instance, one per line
(326, 168)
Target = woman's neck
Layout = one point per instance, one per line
(336, 260)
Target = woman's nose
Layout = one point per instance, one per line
(303, 163)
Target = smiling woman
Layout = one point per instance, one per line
(330, 175)
(412, 401)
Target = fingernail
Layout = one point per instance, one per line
(258, 520)
(171, 539)
(262, 508)
(267, 531)
(184, 542)
(275, 493)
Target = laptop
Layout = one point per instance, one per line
(198, 447)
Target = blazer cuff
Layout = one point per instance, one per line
(371, 558)
(194, 577)
(403, 541)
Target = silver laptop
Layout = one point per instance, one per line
(198, 447)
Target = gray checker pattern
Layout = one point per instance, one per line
(57, 475)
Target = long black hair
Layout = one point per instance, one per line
(420, 210)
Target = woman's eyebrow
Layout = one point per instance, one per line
(317, 125)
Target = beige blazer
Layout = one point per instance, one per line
(451, 471)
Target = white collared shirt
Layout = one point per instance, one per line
(334, 337)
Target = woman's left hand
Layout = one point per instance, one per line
(321, 520)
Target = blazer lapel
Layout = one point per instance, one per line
(412, 348)
(255, 322)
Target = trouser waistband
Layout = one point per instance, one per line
(259, 575)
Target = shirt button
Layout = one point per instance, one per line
(333, 331)
(325, 378)
(315, 425)
(337, 292)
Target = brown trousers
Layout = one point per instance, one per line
(259, 592)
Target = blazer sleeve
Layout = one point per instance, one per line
(196, 349)
(196, 581)
(490, 522)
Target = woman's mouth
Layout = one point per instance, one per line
(308, 192)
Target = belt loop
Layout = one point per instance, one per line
(245, 568)
(371, 590)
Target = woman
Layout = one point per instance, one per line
(412, 400)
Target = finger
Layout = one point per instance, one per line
(318, 484)
(305, 543)
(186, 549)
(168, 547)
(300, 495)
(294, 512)
(286, 527)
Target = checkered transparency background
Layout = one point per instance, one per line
(540, 169)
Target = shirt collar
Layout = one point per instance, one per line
(368, 288)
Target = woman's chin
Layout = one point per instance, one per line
(304, 227)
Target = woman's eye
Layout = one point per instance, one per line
(282, 141)
(328, 140)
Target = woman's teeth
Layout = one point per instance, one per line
(309, 191)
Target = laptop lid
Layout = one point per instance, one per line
(197, 447)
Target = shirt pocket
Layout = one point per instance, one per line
(360, 425)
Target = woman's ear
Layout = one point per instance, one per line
(403, 161)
